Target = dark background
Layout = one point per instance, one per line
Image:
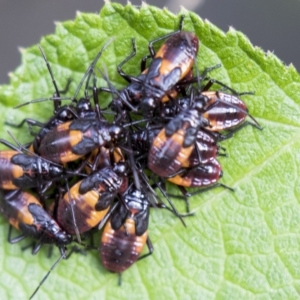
(271, 24)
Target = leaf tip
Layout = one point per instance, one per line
(232, 29)
(206, 21)
(260, 50)
(291, 66)
(78, 13)
(270, 54)
(21, 50)
(57, 23)
(144, 4)
(107, 2)
(183, 9)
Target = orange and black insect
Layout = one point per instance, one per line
(126, 233)
(206, 148)
(19, 170)
(171, 65)
(200, 169)
(66, 113)
(87, 202)
(72, 140)
(25, 213)
(204, 176)
(175, 143)
(226, 112)
(199, 176)
(77, 109)
(223, 111)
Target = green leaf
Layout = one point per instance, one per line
(241, 245)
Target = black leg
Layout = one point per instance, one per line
(144, 62)
(200, 191)
(67, 87)
(46, 276)
(150, 248)
(36, 248)
(73, 214)
(9, 145)
(235, 130)
(30, 122)
(130, 56)
(16, 239)
(150, 46)
(31, 245)
(56, 94)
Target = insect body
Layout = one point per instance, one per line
(88, 201)
(24, 212)
(200, 176)
(206, 147)
(65, 114)
(77, 109)
(175, 143)
(172, 63)
(72, 140)
(125, 234)
(226, 111)
(18, 170)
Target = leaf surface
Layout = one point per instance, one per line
(241, 245)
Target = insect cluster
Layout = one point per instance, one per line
(91, 167)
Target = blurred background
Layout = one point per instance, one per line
(271, 24)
